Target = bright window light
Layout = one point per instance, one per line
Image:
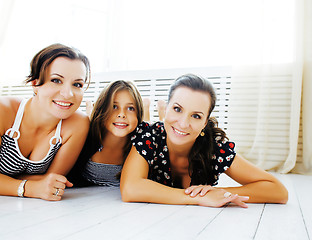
(120, 35)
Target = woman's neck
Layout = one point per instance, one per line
(179, 150)
(36, 119)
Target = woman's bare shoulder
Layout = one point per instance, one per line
(8, 109)
(78, 122)
(10, 103)
(78, 117)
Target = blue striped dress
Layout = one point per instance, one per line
(12, 162)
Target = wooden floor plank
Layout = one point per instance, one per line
(130, 224)
(99, 213)
(36, 212)
(183, 224)
(283, 221)
(303, 189)
(234, 221)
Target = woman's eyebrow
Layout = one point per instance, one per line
(57, 74)
(61, 76)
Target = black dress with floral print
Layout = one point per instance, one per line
(150, 142)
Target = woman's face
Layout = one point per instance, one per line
(186, 115)
(123, 119)
(62, 91)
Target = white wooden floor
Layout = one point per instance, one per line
(99, 213)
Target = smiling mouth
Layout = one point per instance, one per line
(120, 125)
(179, 132)
(63, 104)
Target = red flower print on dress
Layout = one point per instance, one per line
(148, 143)
(222, 151)
(231, 145)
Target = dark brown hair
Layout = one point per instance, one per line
(46, 56)
(200, 156)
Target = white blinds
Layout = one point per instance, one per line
(254, 111)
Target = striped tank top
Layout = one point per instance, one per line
(12, 162)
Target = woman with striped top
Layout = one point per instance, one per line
(41, 137)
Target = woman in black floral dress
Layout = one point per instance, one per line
(179, 161)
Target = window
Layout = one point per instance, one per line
(120, 35)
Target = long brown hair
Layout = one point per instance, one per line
(200, 156)
(104, 106)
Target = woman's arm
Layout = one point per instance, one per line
(135, 187)
(44, 188)
(259, 185)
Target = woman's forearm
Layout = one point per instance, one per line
(8, 185)
(145, 190)
(262, 192)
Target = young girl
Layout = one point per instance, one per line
(39, 138)
(115, 115)
(179, 161)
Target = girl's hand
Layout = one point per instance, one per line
(219, 197)
(194, 190)
(49, 188)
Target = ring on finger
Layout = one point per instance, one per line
(57, 192)
(227, 194)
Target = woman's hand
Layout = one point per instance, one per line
(194, 190)
(216, 197)
(51, 187)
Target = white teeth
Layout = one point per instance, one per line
(63, 104)
(181, 133)
(120, 124)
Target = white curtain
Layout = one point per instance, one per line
(306, 167)
(268, 111)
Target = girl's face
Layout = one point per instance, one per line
(62, 91)
(123, 119)
(186, 115)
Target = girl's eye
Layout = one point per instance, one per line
(78, 85)
(132, 109)
(177, 109)
(55, 80)
(196, 116)
(115, 106)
